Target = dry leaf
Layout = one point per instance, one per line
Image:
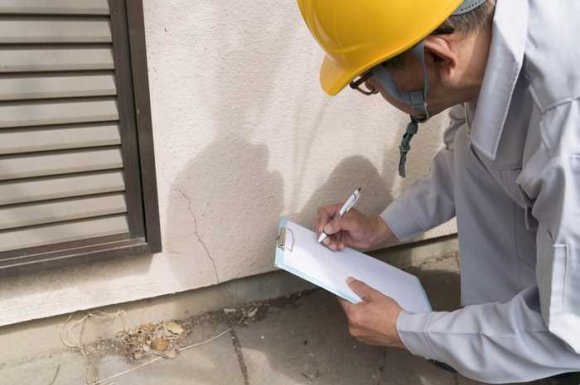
(160, 344)
(252, 313)
(174, 328)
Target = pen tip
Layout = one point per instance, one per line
(359, 189)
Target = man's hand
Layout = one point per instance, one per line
(352, 230)
(374, 320)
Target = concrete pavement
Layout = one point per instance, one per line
(299, 341)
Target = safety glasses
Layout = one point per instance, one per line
(362, 86)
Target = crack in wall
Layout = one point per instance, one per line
(238, 349)
(196, 233)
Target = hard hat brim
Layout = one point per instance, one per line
(333, 78)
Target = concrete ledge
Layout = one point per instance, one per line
(43, 337)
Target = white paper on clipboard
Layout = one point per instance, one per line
(298, 252)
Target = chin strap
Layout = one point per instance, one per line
(416, 100)
(405, 145)
(468, 6)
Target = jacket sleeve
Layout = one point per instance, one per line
(429, 201)
(492, 343)
(537, 333)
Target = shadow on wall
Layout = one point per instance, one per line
(349, 174)
(225, 203)
(231, 201)
(358, 171)
(233, 204)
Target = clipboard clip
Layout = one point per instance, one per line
(286, 239)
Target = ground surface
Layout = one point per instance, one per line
(300, 340)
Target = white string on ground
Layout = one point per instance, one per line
(69, 339)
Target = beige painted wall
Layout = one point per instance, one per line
(243, 136)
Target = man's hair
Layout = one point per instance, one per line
(461, 24)
(470, 21)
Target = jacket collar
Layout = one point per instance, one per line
(503, 69)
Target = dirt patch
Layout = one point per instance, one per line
(151, 339)
(166, 338)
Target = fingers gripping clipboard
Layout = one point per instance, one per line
(298, 252)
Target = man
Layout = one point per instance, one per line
(509, 172)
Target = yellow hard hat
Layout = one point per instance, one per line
(359, 34)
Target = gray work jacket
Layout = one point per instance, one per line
(510, 174)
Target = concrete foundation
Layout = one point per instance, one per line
(44, 336)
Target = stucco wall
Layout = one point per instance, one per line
(243, 136)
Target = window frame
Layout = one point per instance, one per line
(144, 238)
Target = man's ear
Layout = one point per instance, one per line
(439, 51)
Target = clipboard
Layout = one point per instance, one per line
(299, 253)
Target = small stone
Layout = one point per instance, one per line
(311, 374)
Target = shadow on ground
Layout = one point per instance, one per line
(310, 344)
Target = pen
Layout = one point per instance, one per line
(349, 204)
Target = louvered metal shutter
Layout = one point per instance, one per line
(69, 158)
